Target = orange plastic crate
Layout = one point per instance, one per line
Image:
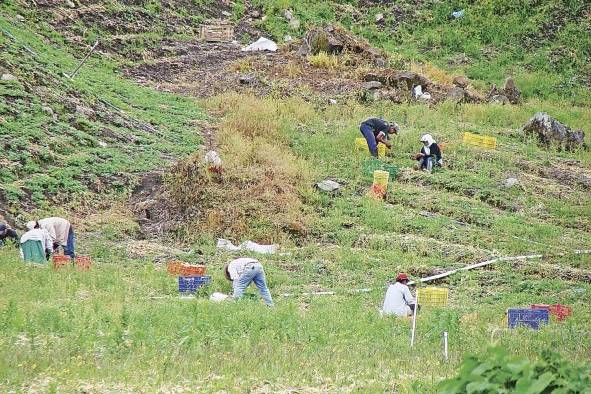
(60, 261)
(192, 270)
(174, 267)
(83, 262)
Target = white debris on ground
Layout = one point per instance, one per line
(246, 245)
(262, 44)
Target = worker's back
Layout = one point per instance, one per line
(397, 299)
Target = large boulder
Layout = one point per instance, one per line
(550, 132)
(456, 95)
(460, 81)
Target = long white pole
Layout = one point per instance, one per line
(414, 321)
(445, 345)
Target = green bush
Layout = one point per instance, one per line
(498, 372)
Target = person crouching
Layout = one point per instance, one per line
(398, 300)
(429, 155)
(244, 271)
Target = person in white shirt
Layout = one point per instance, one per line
(36, 233)
(242, 272)
(398, 300)
(62, 234)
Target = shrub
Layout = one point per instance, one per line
(498, 372)
(324, 60)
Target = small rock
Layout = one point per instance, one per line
(294, 24)
(226, 14)
(379, 62)
(499, 99)
(379, 18)
(255, 14)
(70, 4)
(84, 111)
(332, 101)
(288, 14)
(47, 110)
(9, 77)
(329, 186)
(460, 81)
(19, 18)
(287, 38)
(264, 18)
(511, 91)
(248, 79)
(102, 144)
(372, 85)
(456, 95)
(510, 182)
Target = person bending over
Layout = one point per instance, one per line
(244, 271)
(376, 130)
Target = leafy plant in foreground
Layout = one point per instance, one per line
(499, 372)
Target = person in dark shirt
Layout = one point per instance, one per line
(376, 130)
(430, 154)
(7, 233)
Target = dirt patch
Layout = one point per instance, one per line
(565, 173)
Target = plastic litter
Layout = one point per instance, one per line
(418, 94)
(262, 44)
(246, 245)
(457, 14)
(213, 158)
(218, 297)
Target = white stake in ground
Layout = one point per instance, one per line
(414, 321)
(83, 61)
(445, 356)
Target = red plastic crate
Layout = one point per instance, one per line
(560, 311)
(174, 267)
(60, 261)
(83, 262)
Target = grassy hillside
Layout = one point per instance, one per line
(121, 326)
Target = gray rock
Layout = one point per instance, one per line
(510, 182)
(255, 14)
(372, 85)
(248, 79)
(287, 38)
(226, 14)
(379, 62)
(511, 91)
(550, 132)
(19, 18)
(9, 77)
(288, 14)
(294, 24)
(379, 18)
(329, 186)
(84, 111)
(499, 99)
(332, 101)
(460, 81)
(47, 110)
(456, 95)
(70, 4)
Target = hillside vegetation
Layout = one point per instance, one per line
(119, 150)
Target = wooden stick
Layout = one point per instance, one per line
(83, 61)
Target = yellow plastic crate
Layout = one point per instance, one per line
(381, 178)
(361, 146)
(433, 296)
(480, 140)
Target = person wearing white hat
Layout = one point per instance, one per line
(36, 244)
(429, 155)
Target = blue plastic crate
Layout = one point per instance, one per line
(190, 284)
(525, 317)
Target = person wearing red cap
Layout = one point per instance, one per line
(398, 300)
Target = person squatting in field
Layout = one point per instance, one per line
(242, 272)
(6, 233)
(376, 130)
(61, 232)
(429, 155)
(398, 300)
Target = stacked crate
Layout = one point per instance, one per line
(191, 277)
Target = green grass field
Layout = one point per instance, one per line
(122, 327)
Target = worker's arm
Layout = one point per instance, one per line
(408, 298)
(381, 137)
